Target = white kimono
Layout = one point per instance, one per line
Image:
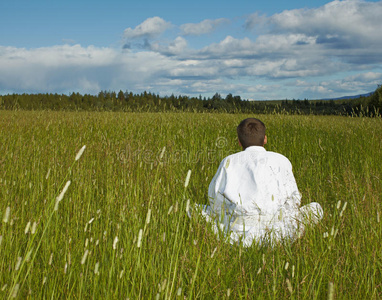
(254, 197)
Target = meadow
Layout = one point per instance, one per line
(112, 224)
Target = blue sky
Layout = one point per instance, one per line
(255, 49)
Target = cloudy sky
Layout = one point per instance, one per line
(272, 49)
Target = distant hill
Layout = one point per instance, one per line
(350, 97)
(315, 100)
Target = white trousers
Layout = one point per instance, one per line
(271, 229)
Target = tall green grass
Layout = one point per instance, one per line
(121, 230)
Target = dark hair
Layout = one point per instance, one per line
(251, 132)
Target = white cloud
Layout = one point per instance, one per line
(53, 68)
(230, 47)
(319, 90)
(75, 68)
(233, 63)
(151, 27)
(367, 77)
(255, 20)
(273, 46)
(204, 27)
(348, 86)
(364, 81)
(176, 47)
(261, 88)
(341, 34)
(211, 86)
(339, 23)
(275, 56)
(56, 56)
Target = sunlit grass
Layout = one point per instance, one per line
(121, 229)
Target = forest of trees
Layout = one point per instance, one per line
(146, 101)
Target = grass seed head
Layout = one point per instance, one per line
(96, 268)
(164, 284)
(338, 204)
(115, 243)
(15, 290)
(289, 285)
(83, 260)
(27, 227)
(186, 182)
(213, 252)
(7, 214)
(148, 216)
(18, 263)
(343, 209)
(332, 231)
(47, 174)
(330, 291)
(162, 153)
(139, 243)
(79, 153)
(59, 198)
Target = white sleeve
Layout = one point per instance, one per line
(216, 188)
(293, 194)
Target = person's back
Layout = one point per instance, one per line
(256, 181)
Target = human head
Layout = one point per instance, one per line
(251, 132)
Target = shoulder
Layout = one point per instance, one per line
(231, 159)
(276, 155)
(278, 158)
(242, 157)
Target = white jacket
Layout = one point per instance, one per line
(254, 196)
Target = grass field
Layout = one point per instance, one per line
(121, 229)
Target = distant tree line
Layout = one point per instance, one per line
(150, 102)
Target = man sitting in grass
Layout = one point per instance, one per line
(254, 196)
